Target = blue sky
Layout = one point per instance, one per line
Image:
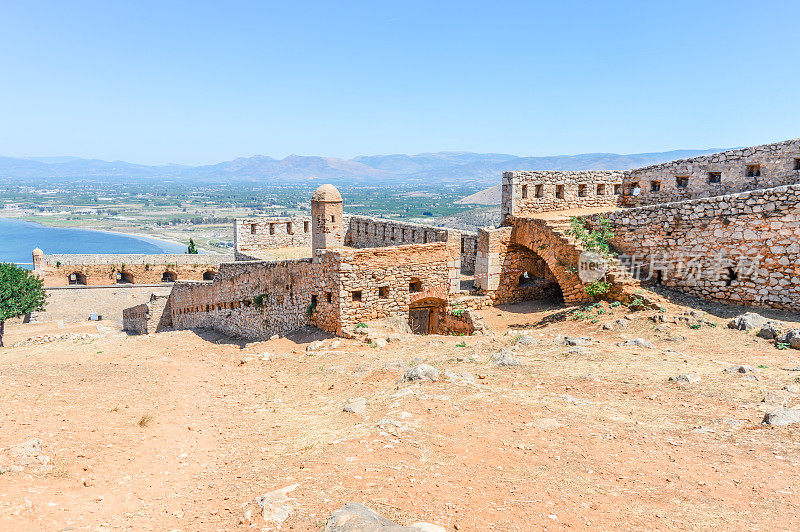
(201, 82)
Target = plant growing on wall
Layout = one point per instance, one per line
(21, 293)
(597, 240)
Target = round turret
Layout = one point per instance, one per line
(38, 258)
(327, 229)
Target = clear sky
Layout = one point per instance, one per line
(200, 82)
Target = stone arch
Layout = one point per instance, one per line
(76, 278)
(208, 275)
(125, 278)
(560, 255)
(169, 277)
(525, 275)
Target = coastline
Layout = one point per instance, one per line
(160, 242)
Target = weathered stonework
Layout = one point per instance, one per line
(777, 164)
(110, 269)
(526, 193)
(148, 318)
(743, 248)
(251, 235)
(528, 259)
(362, 269)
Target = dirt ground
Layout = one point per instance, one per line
(181, 430)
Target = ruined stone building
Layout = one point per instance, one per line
(724, 226)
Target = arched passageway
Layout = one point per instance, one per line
(76, 278)
(525, 275)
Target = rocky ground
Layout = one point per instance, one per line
(582, 418)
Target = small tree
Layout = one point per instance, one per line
(192, 248)
(21, 293)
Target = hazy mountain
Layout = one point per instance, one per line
(291, 168)
(442, 167)
(410, 164)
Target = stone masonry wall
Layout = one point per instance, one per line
(148, 318)
(743, 248)
(252, 300)
(376, 283)
(469, 248)
(110, 269)
(257, 233)
(367, 232)
(525, 193)
(508, 272)
(714, 175)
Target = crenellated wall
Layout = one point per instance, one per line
(368, 232)
(527, 193)
(250, 235)
(714, 175)
(743, 248)
(111, 269)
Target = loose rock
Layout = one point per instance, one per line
(504, 358)
(420, 373)
(685, 378)
(790, 338)
(741, 368)
(769, 331)
(782, 417)
(747, 321)
(639, 342)
(355, 517)
(356, 405)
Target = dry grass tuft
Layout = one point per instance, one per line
(145, 420)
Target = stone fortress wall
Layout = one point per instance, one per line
(148, 318)
(758, 167)
(335, 290)
(364, 268)
(743, 248)
(123, 269)
(255, 235)
(527, 193)
(253, 299)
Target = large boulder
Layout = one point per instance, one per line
(747, 321)
(355, 517)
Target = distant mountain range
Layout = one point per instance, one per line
(441, 167)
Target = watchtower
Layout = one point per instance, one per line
(38, 258)
(326, 219)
